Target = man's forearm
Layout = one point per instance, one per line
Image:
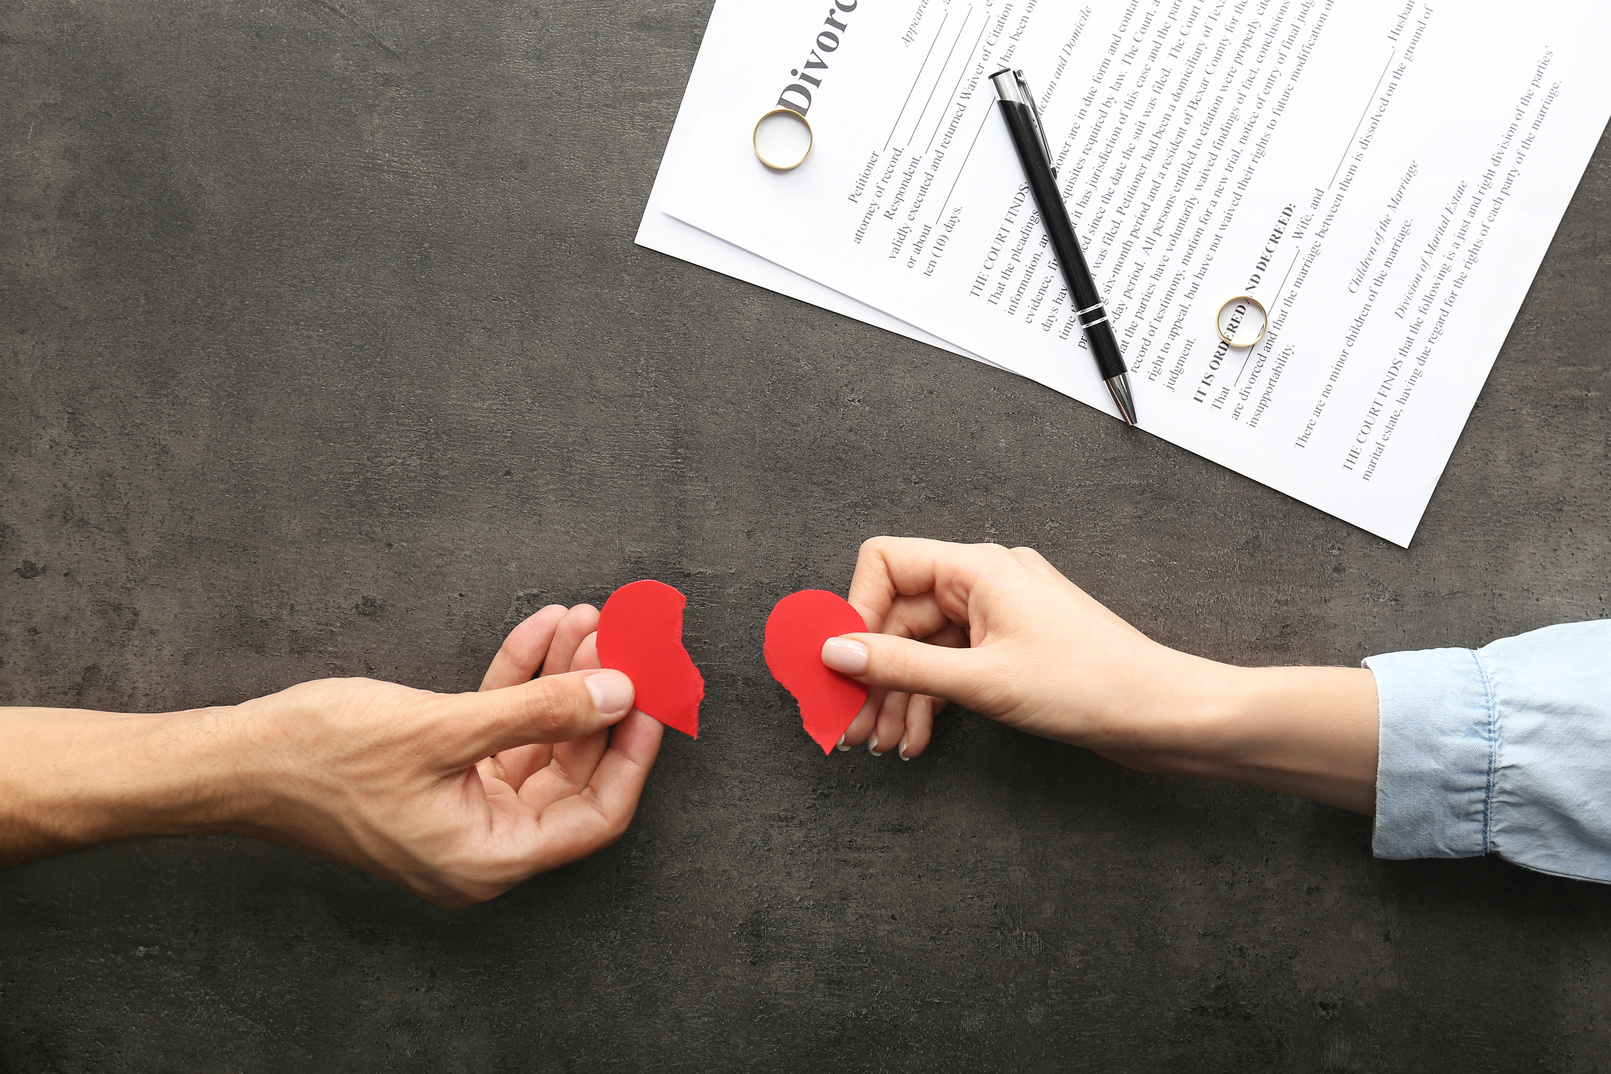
(70, 779)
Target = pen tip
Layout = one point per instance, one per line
(1119, 388)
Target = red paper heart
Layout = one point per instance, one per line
(795, 631)
(640, 634)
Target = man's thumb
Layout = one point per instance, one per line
(914, 667)
(555, 708)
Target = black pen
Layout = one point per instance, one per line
(1023, 122)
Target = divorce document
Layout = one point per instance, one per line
(1384, 176)
(671, 236)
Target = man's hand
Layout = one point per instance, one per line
(457, 797)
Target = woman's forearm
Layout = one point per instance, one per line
(1308, 731)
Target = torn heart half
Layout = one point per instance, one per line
(640, 635)
(795, 631)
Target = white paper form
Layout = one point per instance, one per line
(671, 236)
(1385, 175)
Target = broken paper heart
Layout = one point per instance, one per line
(640, 635)
(795, 631)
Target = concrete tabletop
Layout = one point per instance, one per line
(328, 352)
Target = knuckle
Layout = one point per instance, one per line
(616, 827)
(889, 661)
(562, 772)
(581, 613)
(548, 613)
(881, 545)
(564, 703)
(1026, 554)
(550, 703)
(615, 821)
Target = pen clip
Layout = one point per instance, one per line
(1034, 113)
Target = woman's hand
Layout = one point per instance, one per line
(1002, 632)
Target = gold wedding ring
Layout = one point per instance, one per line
(1241, 301)
(782, 165)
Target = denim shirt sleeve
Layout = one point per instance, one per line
(1504, 750)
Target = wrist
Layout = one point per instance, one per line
(72, 779)
(1179, 718)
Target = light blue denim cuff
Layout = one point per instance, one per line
(1435, 767)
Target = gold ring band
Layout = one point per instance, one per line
(1219, 322)
(755, 139)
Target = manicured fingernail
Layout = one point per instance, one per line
(872, 745)
(901, 749)
(611, 690)
(842, 748)
(845, 656)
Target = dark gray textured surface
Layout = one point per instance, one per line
(327, 351)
